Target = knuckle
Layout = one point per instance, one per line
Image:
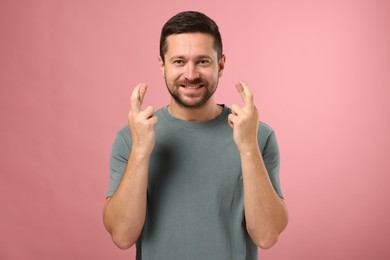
(149, 126)
(138, 121)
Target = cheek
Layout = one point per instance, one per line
(211, 74)
(172, 74)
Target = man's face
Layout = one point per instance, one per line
(191, 68)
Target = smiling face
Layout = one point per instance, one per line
(191, 69)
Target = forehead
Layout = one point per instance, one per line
(190, 43)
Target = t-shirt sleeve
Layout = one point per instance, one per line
(118, 160)
(271, 160)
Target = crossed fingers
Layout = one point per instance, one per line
(141, 122)
(247, 98)
(240, 114)
(137, 97)
(245, 94)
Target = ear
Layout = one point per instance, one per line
(221, 65)
(162, 67)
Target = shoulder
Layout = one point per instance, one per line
(124, 132)
(265, 134)
(265, 129)
(123, 137)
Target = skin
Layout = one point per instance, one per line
(191, 71)
(191, 57)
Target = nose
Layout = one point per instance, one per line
(191, 72)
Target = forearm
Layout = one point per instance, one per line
(265, 212)
(125, 211)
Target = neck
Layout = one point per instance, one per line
(208, 112)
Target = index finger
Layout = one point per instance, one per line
(245, 93)
(137, 97)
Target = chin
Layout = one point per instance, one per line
(198, 104)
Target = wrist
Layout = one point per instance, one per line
(140, 152)
(249, 150)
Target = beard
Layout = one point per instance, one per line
(203, 97)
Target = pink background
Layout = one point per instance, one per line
(320, 72)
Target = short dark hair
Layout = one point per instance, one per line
(190, 22)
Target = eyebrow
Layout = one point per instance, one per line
(182, 57)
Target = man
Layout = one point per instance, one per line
(194, 180)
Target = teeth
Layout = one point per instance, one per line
(192, 87)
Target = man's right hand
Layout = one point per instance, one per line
(122, 221)
(141, 122)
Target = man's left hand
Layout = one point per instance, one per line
(244, 120)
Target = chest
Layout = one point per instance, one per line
(193, 166)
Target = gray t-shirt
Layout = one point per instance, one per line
(195, 201)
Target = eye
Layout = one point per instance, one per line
(204, 62)
(178, 62)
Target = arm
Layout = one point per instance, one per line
(124, 213)
(265, 212)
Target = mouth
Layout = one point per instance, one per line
(192, 86)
